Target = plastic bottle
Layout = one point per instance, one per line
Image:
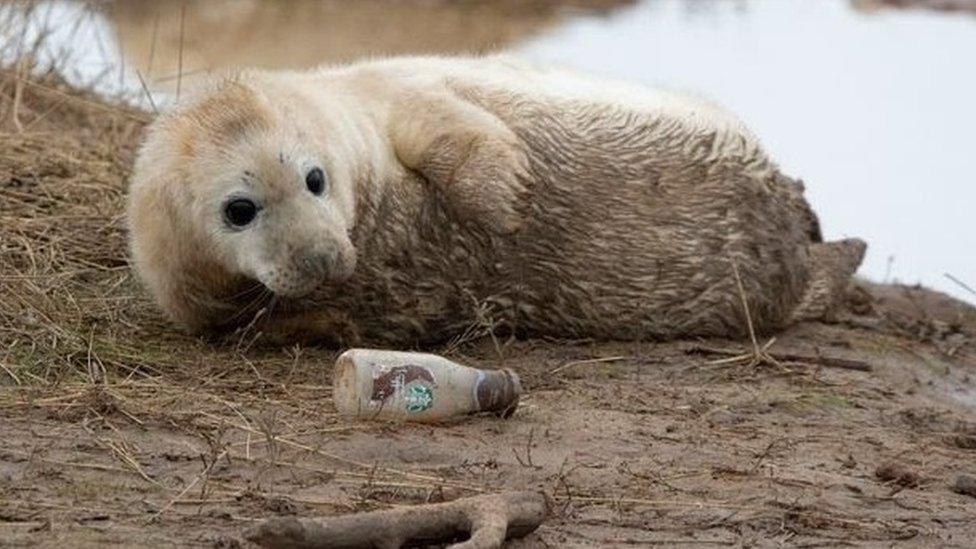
(422, 387)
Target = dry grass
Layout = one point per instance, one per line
(82, 342)
(70, 310)
(66, 294)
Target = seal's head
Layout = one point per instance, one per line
(235, 189)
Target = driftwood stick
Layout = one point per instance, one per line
(829, 361)
(488, 519)
(814, 359)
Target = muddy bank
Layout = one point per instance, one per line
(159, 38)
(120, 430)
(967, 6)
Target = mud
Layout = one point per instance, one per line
(660, 446)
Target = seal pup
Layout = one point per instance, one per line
(402, 200)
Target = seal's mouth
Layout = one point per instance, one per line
(292, 287)
(300, 274)
(297, 285)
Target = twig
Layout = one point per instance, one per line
(588, 361)
(10, 373)
(489, 519)
(145, 90)
(152, 44)
(18, 96)
(123, 455)
(745, 307)
(663, 503)
(83, 101)
(528, 453)
(179, 65)
(78, 464)
(765, 454)
(206, 472)
(965, 286)
(830, 361)
(758, 355)
(817, 360)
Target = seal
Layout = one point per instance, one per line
(413, 199)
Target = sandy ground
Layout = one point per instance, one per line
(119, 430)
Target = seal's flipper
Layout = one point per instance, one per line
(831, 265)
(478, 163)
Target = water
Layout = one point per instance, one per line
(874, 110)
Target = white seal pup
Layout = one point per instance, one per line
(402, 200)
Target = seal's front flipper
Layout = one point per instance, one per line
(470, 156)
(831, 265)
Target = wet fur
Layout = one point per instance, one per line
(560, 205)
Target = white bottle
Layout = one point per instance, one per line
(422, 387)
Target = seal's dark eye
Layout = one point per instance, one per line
(315, 181)
(240, 212)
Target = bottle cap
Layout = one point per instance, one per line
(498, 391)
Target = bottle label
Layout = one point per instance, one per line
(414, 384)
(418, 397)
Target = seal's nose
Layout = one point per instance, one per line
(317, 265)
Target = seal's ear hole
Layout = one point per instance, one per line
(240, 212)
(315, 181)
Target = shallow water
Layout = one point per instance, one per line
(874, 110)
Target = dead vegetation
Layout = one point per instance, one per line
(119, 429)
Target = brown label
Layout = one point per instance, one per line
(399, 376)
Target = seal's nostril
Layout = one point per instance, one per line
(326, 261)
(317, 264)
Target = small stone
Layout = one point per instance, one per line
(724, 417)
(966, 442)
(965, 485)
(280, 506)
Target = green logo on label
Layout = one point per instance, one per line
(418, 397)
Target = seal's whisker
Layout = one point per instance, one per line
(257, 303)
(256, 287)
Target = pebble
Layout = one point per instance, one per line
(965, 485)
